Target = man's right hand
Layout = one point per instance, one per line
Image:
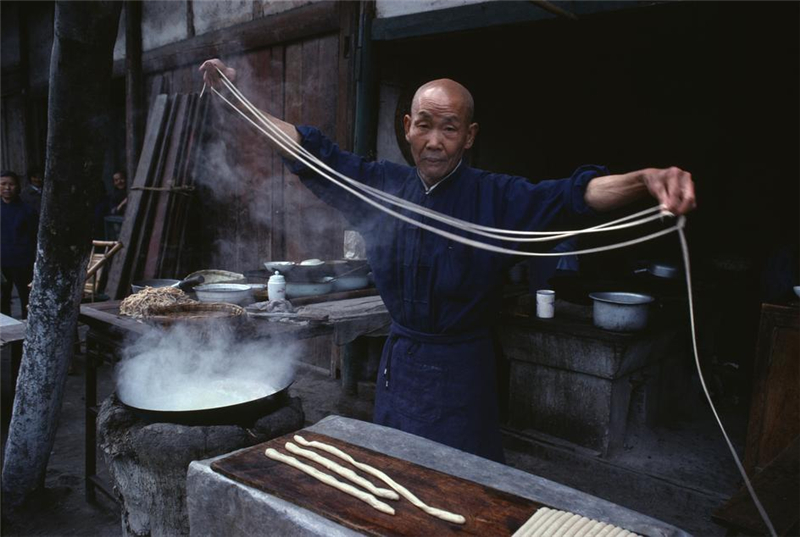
(211, 75)
(211, 69)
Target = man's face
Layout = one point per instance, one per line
(36, 181)
(8, 189)
(439, 132)
(119, 181)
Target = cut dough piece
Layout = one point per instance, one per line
(533, 520)
(579, 528)
(546, 530)
(566, 526)
(547, 522)
(330, 480)
(347, 473)
(433, 511)
(542, 516)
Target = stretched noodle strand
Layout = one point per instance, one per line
(364, 192)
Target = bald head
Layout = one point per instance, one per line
(439, 128)
(445, 87)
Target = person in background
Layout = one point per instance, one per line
(20, 223)
(112, 204)
(32, 194)
(118, 199)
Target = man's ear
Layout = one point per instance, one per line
(472, 132)
(407, 126)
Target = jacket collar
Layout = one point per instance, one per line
(428, 190)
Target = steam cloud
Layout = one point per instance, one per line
(183, 368)
(239, 171)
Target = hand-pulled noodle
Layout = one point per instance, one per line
(138, 305)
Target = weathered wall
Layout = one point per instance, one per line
(164, 23)
(9, 19)
(27, 41)
(255, 210)
(252, 209)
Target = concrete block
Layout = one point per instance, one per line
(577, 385)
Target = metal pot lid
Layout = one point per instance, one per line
(664, 270)
(622, 298)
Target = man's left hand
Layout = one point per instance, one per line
(672, 187)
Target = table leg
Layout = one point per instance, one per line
(90, 463)
(353, 358)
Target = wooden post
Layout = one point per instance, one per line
(133, 86)
(80, 82)
(25, 77)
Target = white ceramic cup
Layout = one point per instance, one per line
(545, 303)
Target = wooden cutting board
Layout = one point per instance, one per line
(488, 511)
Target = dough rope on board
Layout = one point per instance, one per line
(330, 480)
(342, 471)
(433, 511)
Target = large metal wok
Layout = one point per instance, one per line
(243, 414)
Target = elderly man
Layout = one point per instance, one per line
(437, 373)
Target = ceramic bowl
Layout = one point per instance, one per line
(232, 293)
(300, 289)
(350, 283)
(281, 266)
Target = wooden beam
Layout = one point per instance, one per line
(345, 106)
(189, 18)
(134, 118)
(488, 14)
(24, 67)
(120, 273)
(312, 19)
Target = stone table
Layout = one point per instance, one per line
(220, 506)
(12, 336)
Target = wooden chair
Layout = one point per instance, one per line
(102, 252)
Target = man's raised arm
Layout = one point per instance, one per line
(672, 187)
(211, 76)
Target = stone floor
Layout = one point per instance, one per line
(677, 473)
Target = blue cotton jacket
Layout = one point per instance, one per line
(20, 225)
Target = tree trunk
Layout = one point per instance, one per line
(80, 82)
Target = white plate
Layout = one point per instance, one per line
(232, 293)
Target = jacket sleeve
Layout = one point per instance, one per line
(355, 210)
(551, 204)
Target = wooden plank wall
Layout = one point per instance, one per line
(264, 212)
